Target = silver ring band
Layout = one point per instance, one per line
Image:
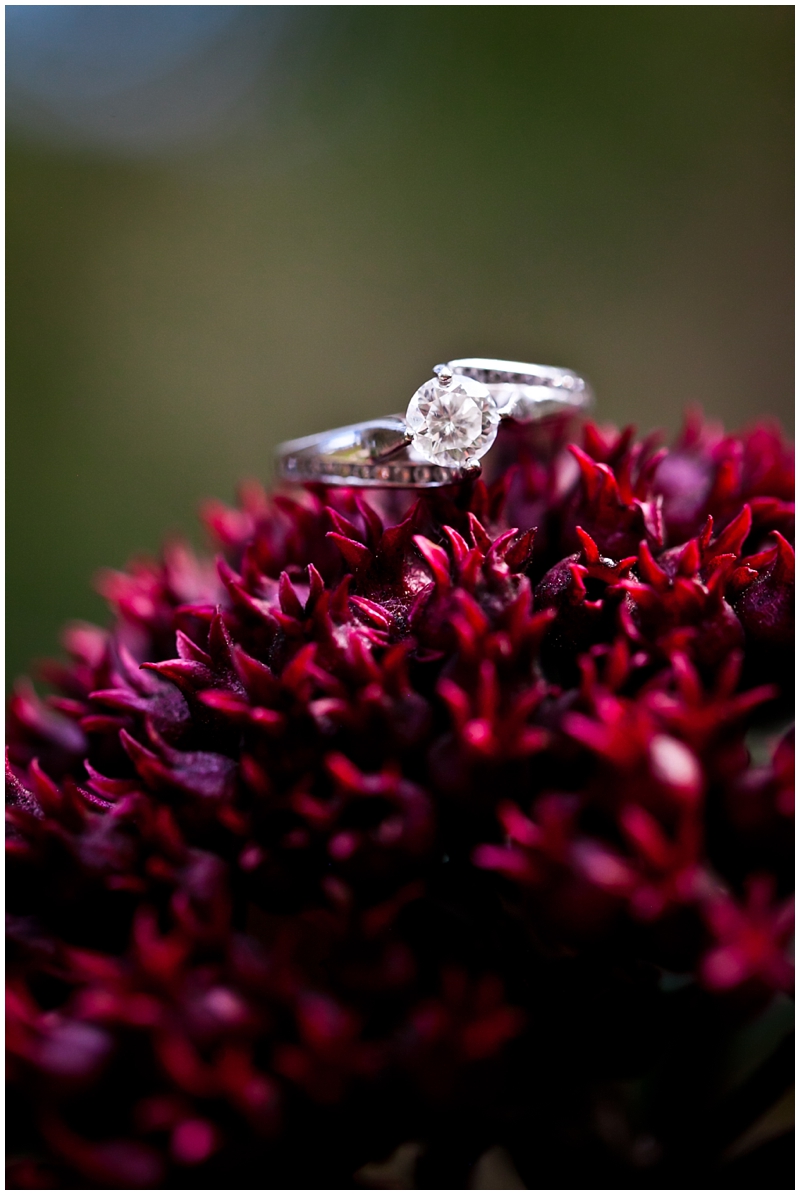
(450, 423)
(357, 455)
(525, 392)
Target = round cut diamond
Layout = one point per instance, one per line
(453, 422)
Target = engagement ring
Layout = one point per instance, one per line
(451, 422)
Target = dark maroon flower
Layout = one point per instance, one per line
(302, 842)
(711, 473)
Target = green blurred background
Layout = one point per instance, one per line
(379, 189)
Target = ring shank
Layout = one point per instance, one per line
(526, 392)
(373, 454)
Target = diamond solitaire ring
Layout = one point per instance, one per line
(450, 423)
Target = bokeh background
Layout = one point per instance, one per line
(231, 225)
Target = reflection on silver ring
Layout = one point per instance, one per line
(450, 423)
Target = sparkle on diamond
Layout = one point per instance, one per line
(452, 424)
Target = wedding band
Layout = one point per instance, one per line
(450, 423)
(525, 392)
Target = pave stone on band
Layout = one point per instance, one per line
(450, 423)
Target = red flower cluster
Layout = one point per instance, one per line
(285, 834)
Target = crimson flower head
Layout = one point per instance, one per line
(407, 821)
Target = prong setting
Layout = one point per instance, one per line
(453, 421)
